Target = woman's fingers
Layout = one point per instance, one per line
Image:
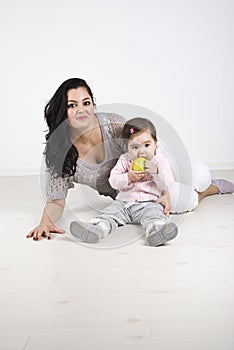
(30, 234)
(46, 235)
(58, 230)
(44, 231)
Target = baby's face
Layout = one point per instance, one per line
(141, 145)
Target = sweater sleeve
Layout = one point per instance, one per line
(57, 187)
(119, 174)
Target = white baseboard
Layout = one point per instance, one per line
(37, 171)
(221, 166)
(20, 172)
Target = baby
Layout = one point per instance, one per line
(139, 199)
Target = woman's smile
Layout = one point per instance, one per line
(81, 117)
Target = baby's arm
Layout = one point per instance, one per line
(164, 179)
(119, 174)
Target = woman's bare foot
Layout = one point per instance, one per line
(208, 192)
(217, 186)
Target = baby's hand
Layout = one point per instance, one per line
(150, 167)
(134, 176)
(165, 201)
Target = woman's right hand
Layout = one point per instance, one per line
(44, 230)
(52, 212)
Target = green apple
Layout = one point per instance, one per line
(139, 164)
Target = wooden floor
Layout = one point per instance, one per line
(121, 293)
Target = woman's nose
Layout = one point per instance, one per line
(79, 109)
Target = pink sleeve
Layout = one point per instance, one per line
(119, 174)
(164, 178)
(165, 170)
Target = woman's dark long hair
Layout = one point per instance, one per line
(60, 154)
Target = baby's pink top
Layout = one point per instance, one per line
(149, 188)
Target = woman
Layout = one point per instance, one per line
(83, 146)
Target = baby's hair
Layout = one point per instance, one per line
(138, 125)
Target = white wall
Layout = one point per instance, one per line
(174, 57)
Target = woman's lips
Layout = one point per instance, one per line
(81, 117)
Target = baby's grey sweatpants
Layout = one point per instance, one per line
(149, 214)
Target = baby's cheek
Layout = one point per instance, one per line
(149, 155)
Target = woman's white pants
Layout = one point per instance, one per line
(184, 197)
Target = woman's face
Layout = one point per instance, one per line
(80, 108)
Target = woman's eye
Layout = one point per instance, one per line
(147, 145)
(71, 105)
(87, 103)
